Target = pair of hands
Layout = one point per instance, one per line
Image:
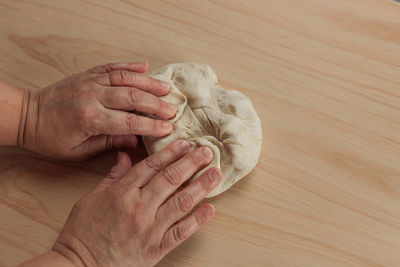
(135, 215)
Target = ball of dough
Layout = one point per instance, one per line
(209, 115)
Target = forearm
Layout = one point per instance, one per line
(11, 105)
(50, 258)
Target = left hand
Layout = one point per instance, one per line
(89, 112)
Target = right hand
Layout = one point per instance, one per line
(135, 216)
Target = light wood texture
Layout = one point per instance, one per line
(324, 77)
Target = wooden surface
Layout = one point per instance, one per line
(324, 77)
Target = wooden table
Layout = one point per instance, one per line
(324, 77)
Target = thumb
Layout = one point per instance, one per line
(101, 143)
(122, 166)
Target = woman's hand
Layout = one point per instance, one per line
(89, 112)
(135, 216)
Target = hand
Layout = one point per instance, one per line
(134, 217)
(89, 112)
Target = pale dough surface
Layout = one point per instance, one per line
(209, 115)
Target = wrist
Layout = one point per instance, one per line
(50, 258)
(10, 113)
(26, 136)
(74, 250)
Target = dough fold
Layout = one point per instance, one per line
(209, 115)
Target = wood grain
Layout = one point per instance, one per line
(324, 77)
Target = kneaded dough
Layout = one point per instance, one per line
(209, 115)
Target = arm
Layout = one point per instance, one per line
(86, 113)
(11, 103)
(135, 216)
(50, 258)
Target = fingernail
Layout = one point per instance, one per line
(142, 63)
(183, 145)
(172, 108)
(166, 125)
(215, 176)
(208, 210)
(164, 85)
(206, 152)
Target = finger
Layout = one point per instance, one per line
(186, 228)
(129, 99)
(180, 204)
(145, 170)
(122, 166)
(104, 142)
(135, 67)
(118, 122)
(133, 79)
(169, 179)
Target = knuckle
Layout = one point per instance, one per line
(180, 232)
(154, 163)
(184, 202)
(199, 218)
(156, 125)
(109, 145)
(123, 76)
(134, 96)
(111, 66)
(171, 175)
(174, 150)
(133, 208)
(133, 122)
(205, 185)
(195, 159)
(88, 120)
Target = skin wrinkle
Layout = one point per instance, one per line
(37, 118)
(88, 250)
(29, 120)
(147, 244)
(129, 215)
(67, 250)
(22, 119)
(87, 121)
(71, 251)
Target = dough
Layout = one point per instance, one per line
(209, 115)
